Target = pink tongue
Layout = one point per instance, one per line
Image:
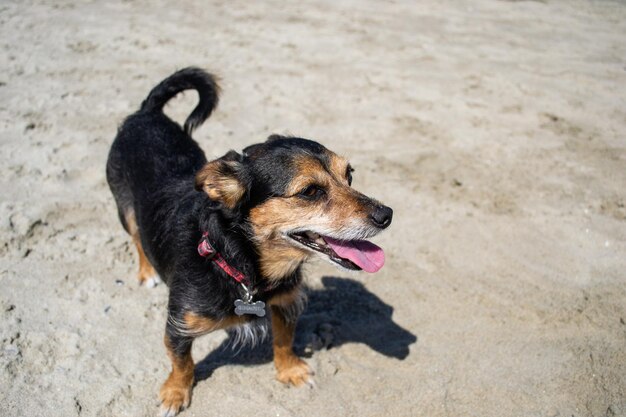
(363, 253)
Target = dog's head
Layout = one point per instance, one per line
(298, 199)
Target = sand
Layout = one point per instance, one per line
(495, 129)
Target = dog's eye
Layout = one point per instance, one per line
(312, 192)
(349, 172)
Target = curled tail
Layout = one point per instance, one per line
(190, 78)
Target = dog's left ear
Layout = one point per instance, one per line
(223, 180)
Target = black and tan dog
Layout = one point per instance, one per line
(229, 236)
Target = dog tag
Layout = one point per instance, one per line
(241, 308)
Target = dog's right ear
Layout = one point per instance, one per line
(274, 137)
(223, 180)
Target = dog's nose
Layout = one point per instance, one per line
(381, 216)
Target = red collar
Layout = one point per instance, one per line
(206, 250)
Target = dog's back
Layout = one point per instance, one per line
(151, 151)
(151, 168)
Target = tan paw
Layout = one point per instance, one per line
(297, 373)
(149, 281)
(174, 399)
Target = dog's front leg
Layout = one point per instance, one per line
(176, 391)
(290, 368)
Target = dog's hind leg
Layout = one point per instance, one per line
(147, 274)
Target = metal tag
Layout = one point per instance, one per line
(241, 308)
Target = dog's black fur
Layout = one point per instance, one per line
(152, 172)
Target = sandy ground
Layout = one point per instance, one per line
(495, 129)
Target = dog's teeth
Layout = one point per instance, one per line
(311, 235)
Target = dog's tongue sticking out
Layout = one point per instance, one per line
(366, 255)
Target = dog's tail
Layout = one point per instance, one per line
(190, 78)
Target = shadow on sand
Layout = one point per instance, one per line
(344, 311)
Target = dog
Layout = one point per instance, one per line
(229, 236)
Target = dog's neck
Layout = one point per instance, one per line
(232, 236)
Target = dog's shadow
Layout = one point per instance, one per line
(344, 311)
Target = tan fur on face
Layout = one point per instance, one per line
(340, 211)
(219, 180)
(338, 167)
(309, 171)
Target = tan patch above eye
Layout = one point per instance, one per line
(309, 171)
(338, 166)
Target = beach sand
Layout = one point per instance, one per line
(496, 130)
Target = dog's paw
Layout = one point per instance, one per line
(150, 282)
(298, 373)
(174, 399)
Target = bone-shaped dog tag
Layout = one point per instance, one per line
(241, 308)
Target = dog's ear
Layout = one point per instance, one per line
(223, 180)
(274, 137)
